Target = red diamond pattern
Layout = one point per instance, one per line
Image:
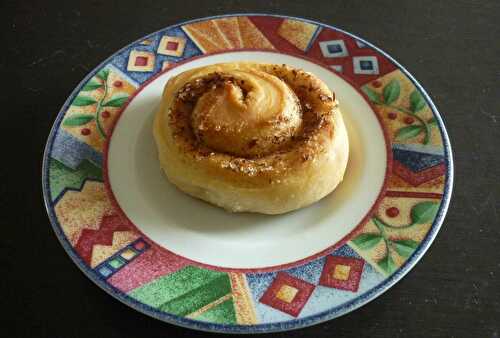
(302, 290)
(141, 61)
(172, 45)
(342, 273)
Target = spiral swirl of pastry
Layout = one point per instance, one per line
(251, 137)
(246, 113)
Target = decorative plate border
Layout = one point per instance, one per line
(383, 251)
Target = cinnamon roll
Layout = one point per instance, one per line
(251, 137)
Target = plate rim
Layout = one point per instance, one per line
(296, 323)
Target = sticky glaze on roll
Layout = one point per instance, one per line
(251, 137)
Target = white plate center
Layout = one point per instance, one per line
(210, 235)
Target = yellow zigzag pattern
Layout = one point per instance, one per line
(78, 210)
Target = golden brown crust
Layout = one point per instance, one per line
(249, 126)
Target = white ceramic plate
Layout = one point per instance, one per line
(187, 262)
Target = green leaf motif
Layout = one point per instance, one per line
(405, 247)
(116, 101)
(417, 102)
(77, 120)
(432, 122)
(391, 91)
(91, 85)
(367, 241)
(373, 96)
(378, 222)
(424, 212)
(408, 132)
(427, 137)
(82, 101)
(103, 74)
(387, 264)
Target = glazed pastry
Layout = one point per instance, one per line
(251, 137)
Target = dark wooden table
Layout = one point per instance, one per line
(452, 48)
